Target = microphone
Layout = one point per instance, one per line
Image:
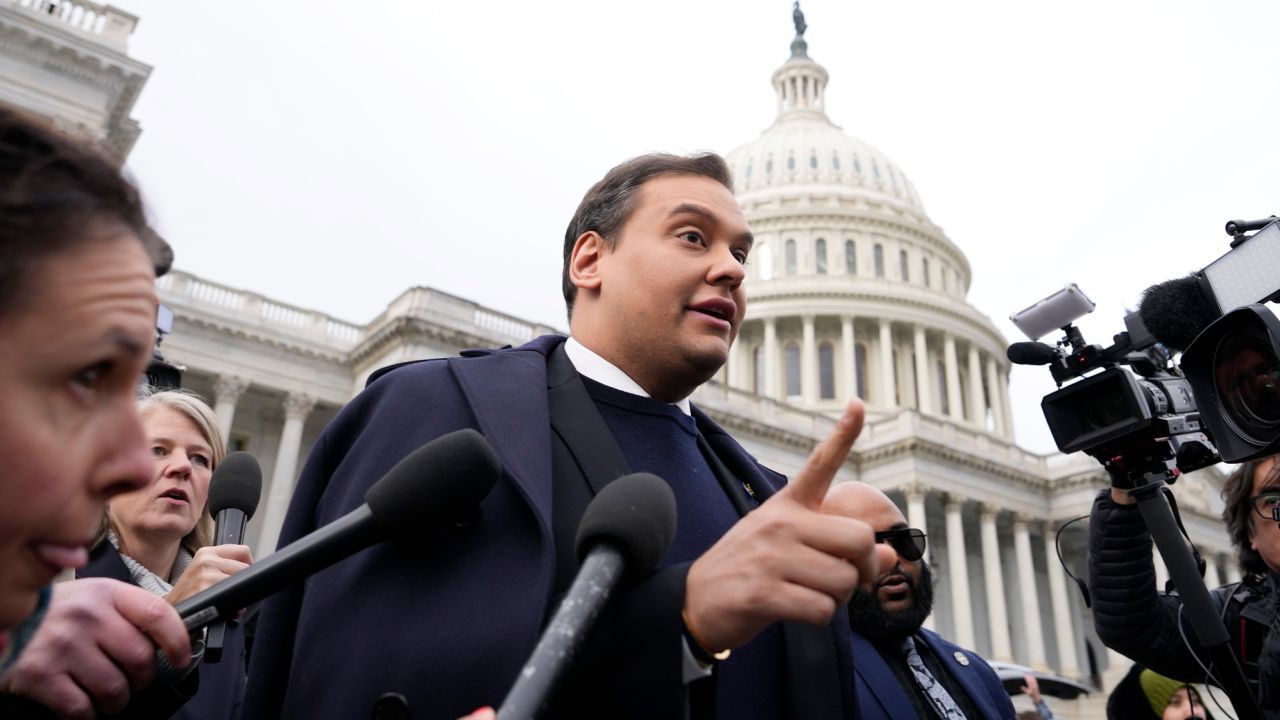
(430, 487)
(1176, 311)
(234, 492)
(627, 528)
(1031, 353)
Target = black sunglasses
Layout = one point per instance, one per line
(909, 542)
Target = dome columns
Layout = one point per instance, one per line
(816, 360)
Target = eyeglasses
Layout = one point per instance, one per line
(909, 542)
(1267, 505)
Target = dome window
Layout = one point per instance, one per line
(875, 169)
(826, 372)
(793, 370)
(835, 162)
(857, 165)
(791, 162)
(924, 270)
(791, 257)
(904, 266)
(768, 166)
(820, 256)
(850, 257)
(878, 256)
(813, 161)
(748, 173)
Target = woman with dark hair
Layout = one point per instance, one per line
(77, 323)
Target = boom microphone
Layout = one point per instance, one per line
(627, 528)
(432, 486)
(234, 492)
(1031, 353)
(1176, 311)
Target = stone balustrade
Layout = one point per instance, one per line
(104, 24)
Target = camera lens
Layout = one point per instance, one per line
(1247, 380)
(1105, 410)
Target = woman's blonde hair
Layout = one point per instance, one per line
(195, 409)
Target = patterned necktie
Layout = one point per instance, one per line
(937, 694)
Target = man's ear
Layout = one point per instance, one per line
(584, 261)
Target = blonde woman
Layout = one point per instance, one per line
(158, 537)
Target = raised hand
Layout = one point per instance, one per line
(786, 560)
(211, 565)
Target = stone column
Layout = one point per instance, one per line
(1068, 664)
(296, 408)
(1003, 399)
(916, 519)
(1211, 577)
(977, 406)
(808, 362)
(997, 617)
(997, 408)
(771, 358)
(850, 355)
(958, 563)
(1030, 601)
(924, 398)
(227, 390)
(736, 374)
(953, 377)
(887, 385)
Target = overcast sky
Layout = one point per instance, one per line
(331, 155)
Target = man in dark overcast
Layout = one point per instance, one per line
(740, 618)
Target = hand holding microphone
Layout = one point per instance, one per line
(234, 491)
(430, 487)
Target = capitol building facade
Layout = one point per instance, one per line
(853, 288)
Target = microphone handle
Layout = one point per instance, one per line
(560, 642)
(228, 529)
(339, 539)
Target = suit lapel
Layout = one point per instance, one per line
(514, 419)
(966, 676)
(578, 423)
(876, 680)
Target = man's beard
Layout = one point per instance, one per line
(869, 618)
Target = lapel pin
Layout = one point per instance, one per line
(962, 658)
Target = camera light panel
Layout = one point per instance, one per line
(1249, 273)
(1056, 311)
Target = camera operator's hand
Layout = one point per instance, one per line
(1120, 496)
(786, 560)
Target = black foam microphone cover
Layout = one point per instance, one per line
(637, 514)
(431, 484)
(1031, 353)
(1176, 311)
(236, 485)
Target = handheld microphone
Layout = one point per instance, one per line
(1031, 353)
(627, 528)
(234, 492)
(430, 487)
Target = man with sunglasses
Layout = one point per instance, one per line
(902, 669)
(1136, 619)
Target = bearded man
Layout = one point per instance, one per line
(901, 668)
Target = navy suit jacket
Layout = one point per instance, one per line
(448, 625)
(882, 697)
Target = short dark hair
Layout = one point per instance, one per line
(609, 203)
(54, 192)
(1238, 514)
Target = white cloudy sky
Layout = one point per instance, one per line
(333, 154)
